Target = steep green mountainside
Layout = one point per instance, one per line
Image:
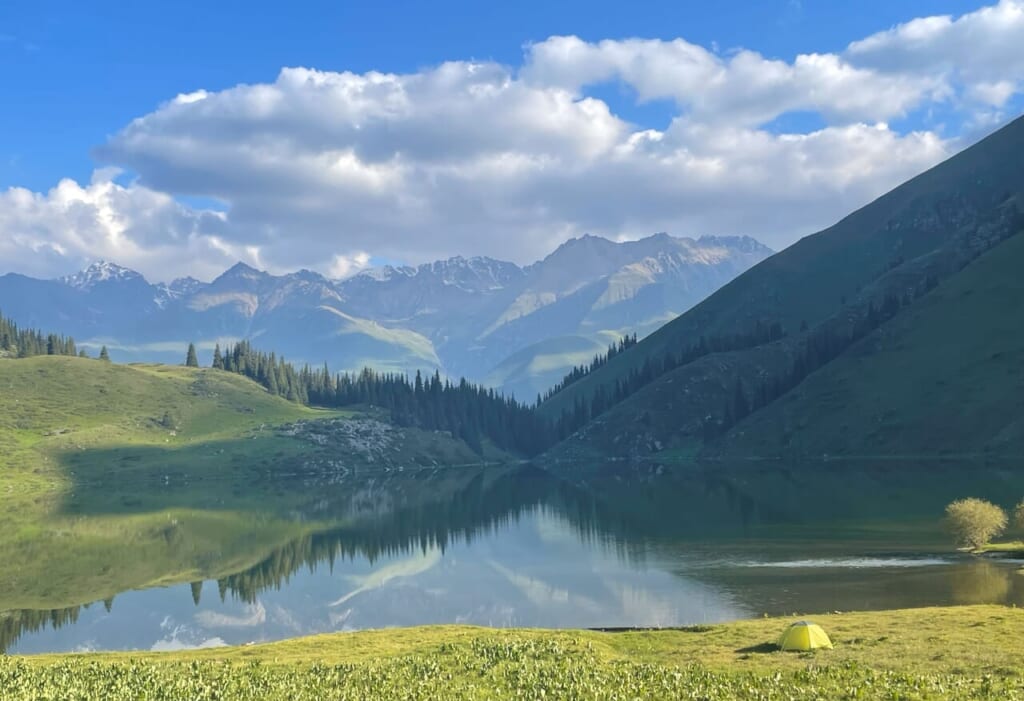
(925, 228)
(935, 372)
(944, 377)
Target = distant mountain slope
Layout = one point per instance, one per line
(599, 290)
(838, 285)
(532, 370)
(465, 316)
(944, 377)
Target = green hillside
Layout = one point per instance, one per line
(944, 377)
(116, 477)
(55, 407)
(938, 212)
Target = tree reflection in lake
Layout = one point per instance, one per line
(648, 545)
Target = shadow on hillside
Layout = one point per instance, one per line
(230, 475)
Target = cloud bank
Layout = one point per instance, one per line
(329, 170)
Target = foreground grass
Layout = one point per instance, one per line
(962, 652)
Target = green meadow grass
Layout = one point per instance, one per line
(937, 653)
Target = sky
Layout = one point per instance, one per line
(177, 139)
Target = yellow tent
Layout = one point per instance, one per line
(804, 635)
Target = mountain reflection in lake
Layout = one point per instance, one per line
(523, 547)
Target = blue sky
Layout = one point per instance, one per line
(78, 72)
(76, 75)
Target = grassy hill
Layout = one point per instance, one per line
(898, 247)
(970, 652)
(116, 477)
(56, 407)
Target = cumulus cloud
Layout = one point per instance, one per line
(56, 232)
(744, 88)
(980, 50)
(328, 169)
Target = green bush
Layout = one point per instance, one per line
(974, 522)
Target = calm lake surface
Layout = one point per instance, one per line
(595, 547)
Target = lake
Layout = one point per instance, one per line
(609, 546)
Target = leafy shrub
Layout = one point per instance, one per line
(974, 522)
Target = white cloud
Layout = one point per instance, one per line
(981, 48)
(59, 231)
(745, 88)
(324, 170)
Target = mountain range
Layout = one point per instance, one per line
(511, 327)
(894, 332)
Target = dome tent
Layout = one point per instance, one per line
(803, 636)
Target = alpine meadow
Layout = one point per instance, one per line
(449, 351)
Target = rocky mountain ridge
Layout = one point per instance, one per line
(462, 316)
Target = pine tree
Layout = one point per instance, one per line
(218, 360)
(104, 355)
(197, 591)
(191, 361)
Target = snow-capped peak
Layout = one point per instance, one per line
(384, 273)
(100, 271)
(176, 289)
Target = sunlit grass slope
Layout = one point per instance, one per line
(55, 407)
(941, 653)
(68, 424)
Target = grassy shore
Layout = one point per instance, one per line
(1013, 547)
(940, 653)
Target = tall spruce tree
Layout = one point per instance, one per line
(191, 361)
(104, 355)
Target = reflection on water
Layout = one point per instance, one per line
(524, 547)
(982, 583)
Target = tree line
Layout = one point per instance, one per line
(823, 345)
(25, 343)
(16, 342)
(578, 372)
(465, 410)
(583, 411)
